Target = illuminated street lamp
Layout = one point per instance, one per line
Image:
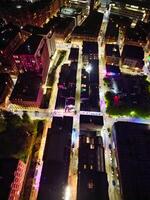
(67, 193)
(88, 68)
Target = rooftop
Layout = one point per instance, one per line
(136, 34)
(133, 52)
(132, 141)
(23, 7)
(112, 50)
(112, 30)
(122, 21)
(25, 89)
(88, 28)
(141, 3)
(35, 30)
(90, 47)
(74, 52)
(29, 46)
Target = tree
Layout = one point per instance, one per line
(26, 118)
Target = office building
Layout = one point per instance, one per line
(112, 54)
(28, 90)
(92, 178)
(132, 147)
(132, 57)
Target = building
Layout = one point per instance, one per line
(88, 31)
(132, 57)
(104, 3)
(74, 54)
(6, 66)
(12, 172)
(6, 85)
(10, 39)
(137, 35)
(78, 13)
(137, 9)
(46, 32)
(112, 32)
(132, 147)
(112, 54)
(33, 56)
(28, 90)
(90, 100)
(89, 51)
(92, 178)
(23, 13)
(55, 169)
(112, 70)
(67, 87)
(63, 28)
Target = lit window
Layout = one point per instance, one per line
(87, 140)
(91, 167)
(15, 56)
(92, 146)
(90, 184)
(84, 166)
(17, 61)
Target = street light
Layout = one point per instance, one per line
(88, 68)
(67, 193)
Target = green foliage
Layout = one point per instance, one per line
(106, 81)
(16, 135)
(140, 107)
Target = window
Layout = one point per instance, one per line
(92, 146)
(84, 166)
(90, 184)
(87, 140)
(91, 167)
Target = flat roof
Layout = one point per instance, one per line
(56, 159)
(29, 46)
(36, 30)
(112, 50)
(92, 179)
(96, 179)
(90, 47)
(74, 53)
(136, 34)
(25, 89)
(86, 119)
(133, 52)
(122, 21)
(141, 3)
(112, 30)
(88, 28)
(132, 141)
